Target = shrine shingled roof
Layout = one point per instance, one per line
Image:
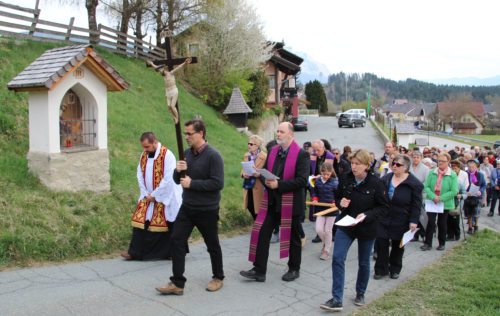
(237, 104)
(53, 65)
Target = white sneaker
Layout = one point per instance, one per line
(324, 256)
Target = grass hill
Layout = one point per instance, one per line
(39, 225)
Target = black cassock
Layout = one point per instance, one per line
(147, 245)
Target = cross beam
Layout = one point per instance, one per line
(170, 62)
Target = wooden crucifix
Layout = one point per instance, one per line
(171, 92)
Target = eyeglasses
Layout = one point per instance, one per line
(397, 164)
(190, 134)
(336, 153)
(251, 144)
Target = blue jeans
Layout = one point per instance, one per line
(340, 248)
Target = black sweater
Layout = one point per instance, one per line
(206, 171)
(369, 197)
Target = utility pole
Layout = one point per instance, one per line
(345, 77)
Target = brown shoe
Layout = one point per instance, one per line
(214, 285)
(126, 256)
(170, 289)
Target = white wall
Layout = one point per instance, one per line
(405, 139)
(90, 88)
(39, 122)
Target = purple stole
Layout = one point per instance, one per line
(286, 204)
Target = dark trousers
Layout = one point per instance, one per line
(250, 205)
(453, 229)
(489, 191)
(388, 262)
(442, 222)
(495, 195)
(262, 253)
(206, 222)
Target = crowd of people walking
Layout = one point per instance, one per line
(351, 196)
(387, 196)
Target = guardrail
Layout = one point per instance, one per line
(21, 22)
(458, 137)
(309, 112)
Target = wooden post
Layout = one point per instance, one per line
(98, 39)
(70, 26)
(36, 15)
(149, 48)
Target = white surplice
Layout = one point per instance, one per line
(168, 192)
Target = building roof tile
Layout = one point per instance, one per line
(55, 63)
(237, 104)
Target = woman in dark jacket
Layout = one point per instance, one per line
(360, 195)
(405, 201)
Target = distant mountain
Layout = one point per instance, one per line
(359, 84)
(312, 70)
(469, 81)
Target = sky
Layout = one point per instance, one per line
(396, 39)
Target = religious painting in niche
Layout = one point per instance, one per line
(71, 121)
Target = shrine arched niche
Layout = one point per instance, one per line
(78, 120)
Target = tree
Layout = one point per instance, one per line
(315, 93)
(257, 96)
(394, 136)
(176, 14)
(91, 6)
(235, 48)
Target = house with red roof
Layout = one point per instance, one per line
(462, 117)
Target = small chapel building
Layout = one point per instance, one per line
(68, 137)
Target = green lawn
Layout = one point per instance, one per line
(466, 281)
(39, 225)
(486, 138)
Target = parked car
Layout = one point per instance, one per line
(299, 124)
(351, 120)
(496, 144)
(362, 112)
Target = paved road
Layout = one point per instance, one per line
(442, 142)
(327, 128)
(117, 287)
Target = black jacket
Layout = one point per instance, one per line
(369, 197)
(404, 207)
(344, 165)
(296, 185)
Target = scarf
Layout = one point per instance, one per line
(286, 204)
(437, 187)
(253, 157)
(473, 177)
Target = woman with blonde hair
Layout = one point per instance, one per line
(253, 190)
(361, 195)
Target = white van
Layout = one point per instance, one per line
(362, 112)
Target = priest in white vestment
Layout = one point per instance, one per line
(158, 204)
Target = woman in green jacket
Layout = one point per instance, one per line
(441, 185)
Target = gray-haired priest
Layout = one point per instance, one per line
(159, 202)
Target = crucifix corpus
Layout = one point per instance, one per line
(167, 67)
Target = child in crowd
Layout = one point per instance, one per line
(323, 191)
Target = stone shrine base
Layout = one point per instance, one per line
(72, 171)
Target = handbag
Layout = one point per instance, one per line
(249, 183)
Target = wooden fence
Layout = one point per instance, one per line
(23, 22)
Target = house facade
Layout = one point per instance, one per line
(282, 69)
(466, 117)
